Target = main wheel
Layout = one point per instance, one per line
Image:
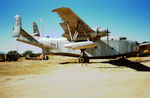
(83, 60)
(46, 58)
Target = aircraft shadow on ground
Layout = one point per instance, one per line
(68, 62)
(145, 61)
(121, 63)
(124, 62)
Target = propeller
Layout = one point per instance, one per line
(98, 30)
(107, 34)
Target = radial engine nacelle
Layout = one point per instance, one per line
(99, 33)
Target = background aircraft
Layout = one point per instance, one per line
(144, 49)
(80, 40)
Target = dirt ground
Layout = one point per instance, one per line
(63, 77)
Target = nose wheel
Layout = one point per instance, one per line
(83, 58)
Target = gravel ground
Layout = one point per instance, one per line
(63, 77)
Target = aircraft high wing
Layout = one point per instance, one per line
(75, 28)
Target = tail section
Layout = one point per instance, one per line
(18, 31)
(21, 34)
(35, 30)
(32, 39)
(17, 27)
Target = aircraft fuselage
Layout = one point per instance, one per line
(104, 48)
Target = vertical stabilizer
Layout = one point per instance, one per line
(35, 30)
(17, 27)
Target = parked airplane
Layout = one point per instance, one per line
(144, 49)
(80, 40)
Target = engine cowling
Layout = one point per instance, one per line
(102, 33)
(99, 33)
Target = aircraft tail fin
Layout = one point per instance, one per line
(18, 31)
(35, 30)
(17, 27)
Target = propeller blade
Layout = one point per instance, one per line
(107, 33)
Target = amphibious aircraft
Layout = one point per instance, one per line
(79, 39)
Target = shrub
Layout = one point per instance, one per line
(13, 56)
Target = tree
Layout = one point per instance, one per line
(27, 53)
(13, 55)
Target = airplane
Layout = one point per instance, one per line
(144, 49)
(79, 39)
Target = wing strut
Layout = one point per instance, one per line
(75, 35)
(86, 35)
(69, 32)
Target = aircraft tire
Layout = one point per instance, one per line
(83, 60)
(46, 58)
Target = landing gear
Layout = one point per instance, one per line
(83, 58)
(46, 58)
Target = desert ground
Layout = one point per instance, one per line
(63, 77)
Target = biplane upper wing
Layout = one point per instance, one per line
(75, 28)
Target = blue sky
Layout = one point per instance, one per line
(129, 18)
